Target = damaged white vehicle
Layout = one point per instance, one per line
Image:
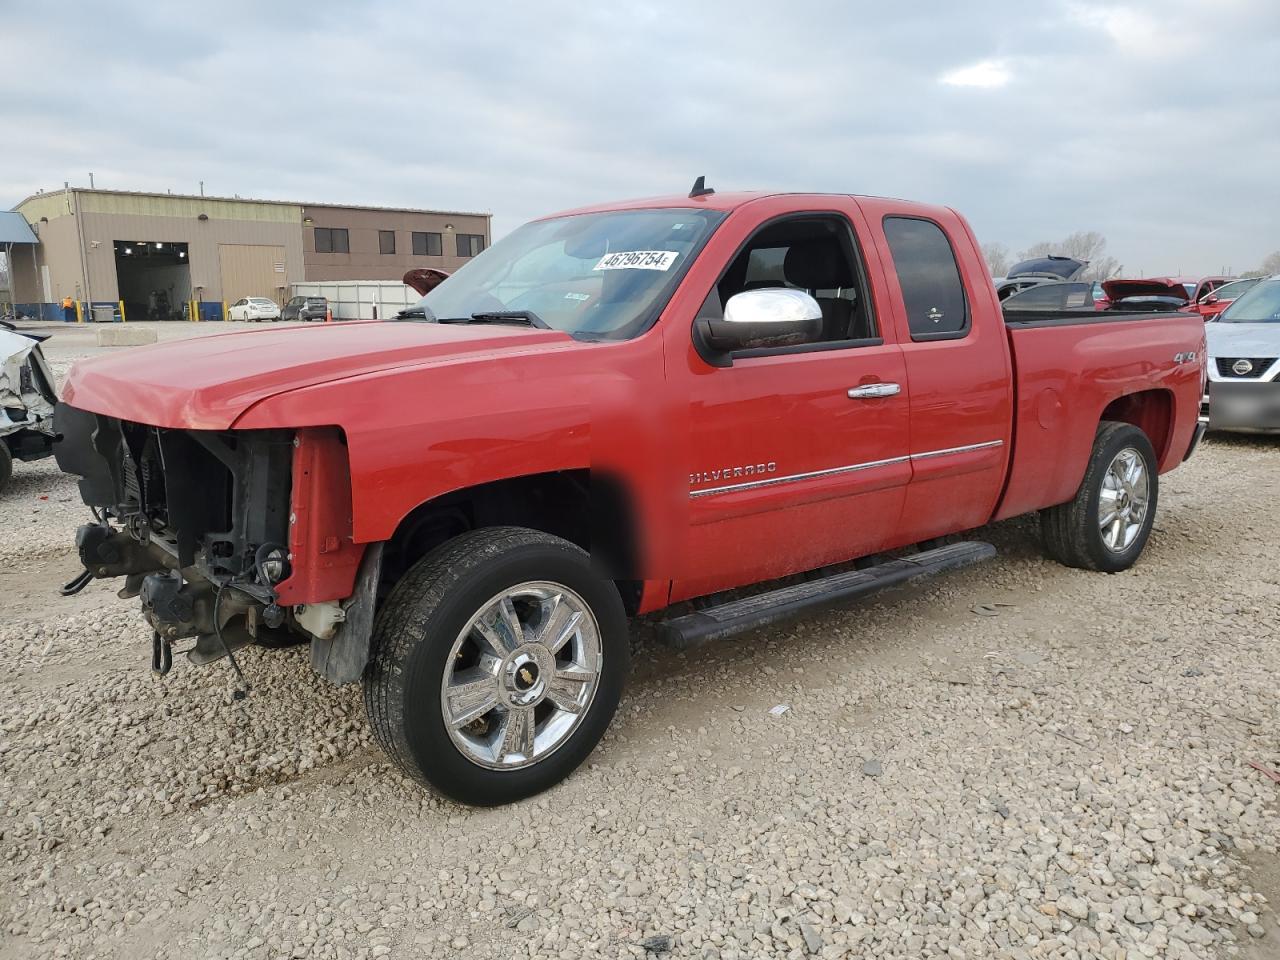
(27, 397)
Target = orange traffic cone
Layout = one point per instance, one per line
(328, 314)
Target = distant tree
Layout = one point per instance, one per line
(997, 257)
(1086, 245)
(1271, 265)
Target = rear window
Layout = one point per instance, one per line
(315, 301)
(929, 278)
(1065, 295)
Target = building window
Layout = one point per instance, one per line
(469, 244)
(332, 240)
(386, 241)
(427, 245)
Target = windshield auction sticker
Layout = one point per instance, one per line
(637, 260)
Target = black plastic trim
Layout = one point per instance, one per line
(932, 337)
(1061, 318)
(735, 616)
(1196, 437)
(819, 347)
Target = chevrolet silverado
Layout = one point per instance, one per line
(613, 411)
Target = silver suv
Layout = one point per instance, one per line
(1244, 363)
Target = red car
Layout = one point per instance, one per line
(1156, 293)
(1213, 303)
(611, 411)
(1199, 289)
(1150, 295)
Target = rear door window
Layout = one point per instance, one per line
(929, 278)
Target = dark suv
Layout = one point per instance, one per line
(305, 308)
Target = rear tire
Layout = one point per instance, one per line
(6, 465)
(485, 611)
(1106, 525)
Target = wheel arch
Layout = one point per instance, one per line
(590, 508)
(1151, 411)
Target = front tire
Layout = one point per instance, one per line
(1106, 526)
(498, 662)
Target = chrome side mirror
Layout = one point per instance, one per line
(756, 319)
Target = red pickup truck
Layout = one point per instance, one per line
(611, 411)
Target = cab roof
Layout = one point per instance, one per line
(726, 202)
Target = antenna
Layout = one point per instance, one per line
(700, 188)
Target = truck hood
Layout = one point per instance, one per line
(1243, 339)
(1159, 287)
(206, 383)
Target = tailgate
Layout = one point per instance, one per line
(1070, 371)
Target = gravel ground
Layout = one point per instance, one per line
(1061, 772)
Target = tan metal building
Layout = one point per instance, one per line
(157, 253)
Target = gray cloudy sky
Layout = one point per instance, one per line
(1152, 121)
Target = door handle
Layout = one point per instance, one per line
(873, 391)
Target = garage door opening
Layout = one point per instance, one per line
(154, 277)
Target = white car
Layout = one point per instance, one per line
(1244, 363)
(27, 398)
(253, 308)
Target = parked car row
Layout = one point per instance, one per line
(1242, 391)
(1154, 294)
(260, 308)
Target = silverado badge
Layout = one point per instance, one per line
(733, 473)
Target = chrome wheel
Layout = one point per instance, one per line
(521, 675)
(1123, 500)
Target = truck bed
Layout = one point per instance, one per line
(1070, 371)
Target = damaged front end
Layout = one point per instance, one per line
(27, 400)
(228, 537)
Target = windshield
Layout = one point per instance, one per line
(1229, 291)
(597, 275)
(1259, 305)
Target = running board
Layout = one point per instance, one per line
(722, 620)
